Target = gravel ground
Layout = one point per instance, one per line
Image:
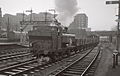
(114, 71)
(105, 62)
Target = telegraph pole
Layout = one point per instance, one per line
(23, 19)
(30, 14)
(45, 16)
(117, 45)
(118, 27)
(8, 28)
(21, 29)
(23, 14)
(0, 19)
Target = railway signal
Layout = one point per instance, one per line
(117, 47)
(23, 23)
(112, 2)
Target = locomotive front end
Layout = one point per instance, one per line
(43, 40)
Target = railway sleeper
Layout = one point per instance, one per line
(85, 62)
(9, 73)
(74, 70)
(23, 68)
(70, 74)
(79, 66)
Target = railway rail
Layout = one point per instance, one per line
(81, 67)
(25, 68)
(28, 67)
(15, 57)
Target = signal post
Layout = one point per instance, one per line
(115, 60)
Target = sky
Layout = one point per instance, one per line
(100, 15)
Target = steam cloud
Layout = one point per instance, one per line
(66, 9)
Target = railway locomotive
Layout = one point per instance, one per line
(55, 43)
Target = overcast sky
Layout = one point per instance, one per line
(100, 15)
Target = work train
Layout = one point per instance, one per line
(56, 43)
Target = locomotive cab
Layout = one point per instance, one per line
(67, 40)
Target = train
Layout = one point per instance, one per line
(55, 42)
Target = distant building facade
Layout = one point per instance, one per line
(79, 26)
(80, 21)
(14, 20)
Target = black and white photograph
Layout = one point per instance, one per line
(59, 37)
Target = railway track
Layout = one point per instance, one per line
(13, 51)
(14, 58)
(16, 69)
(84, 66)
(29, 67)
(25, 68)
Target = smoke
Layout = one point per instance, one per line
(66, 9)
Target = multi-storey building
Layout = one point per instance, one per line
(80, 21)
(79, 26)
